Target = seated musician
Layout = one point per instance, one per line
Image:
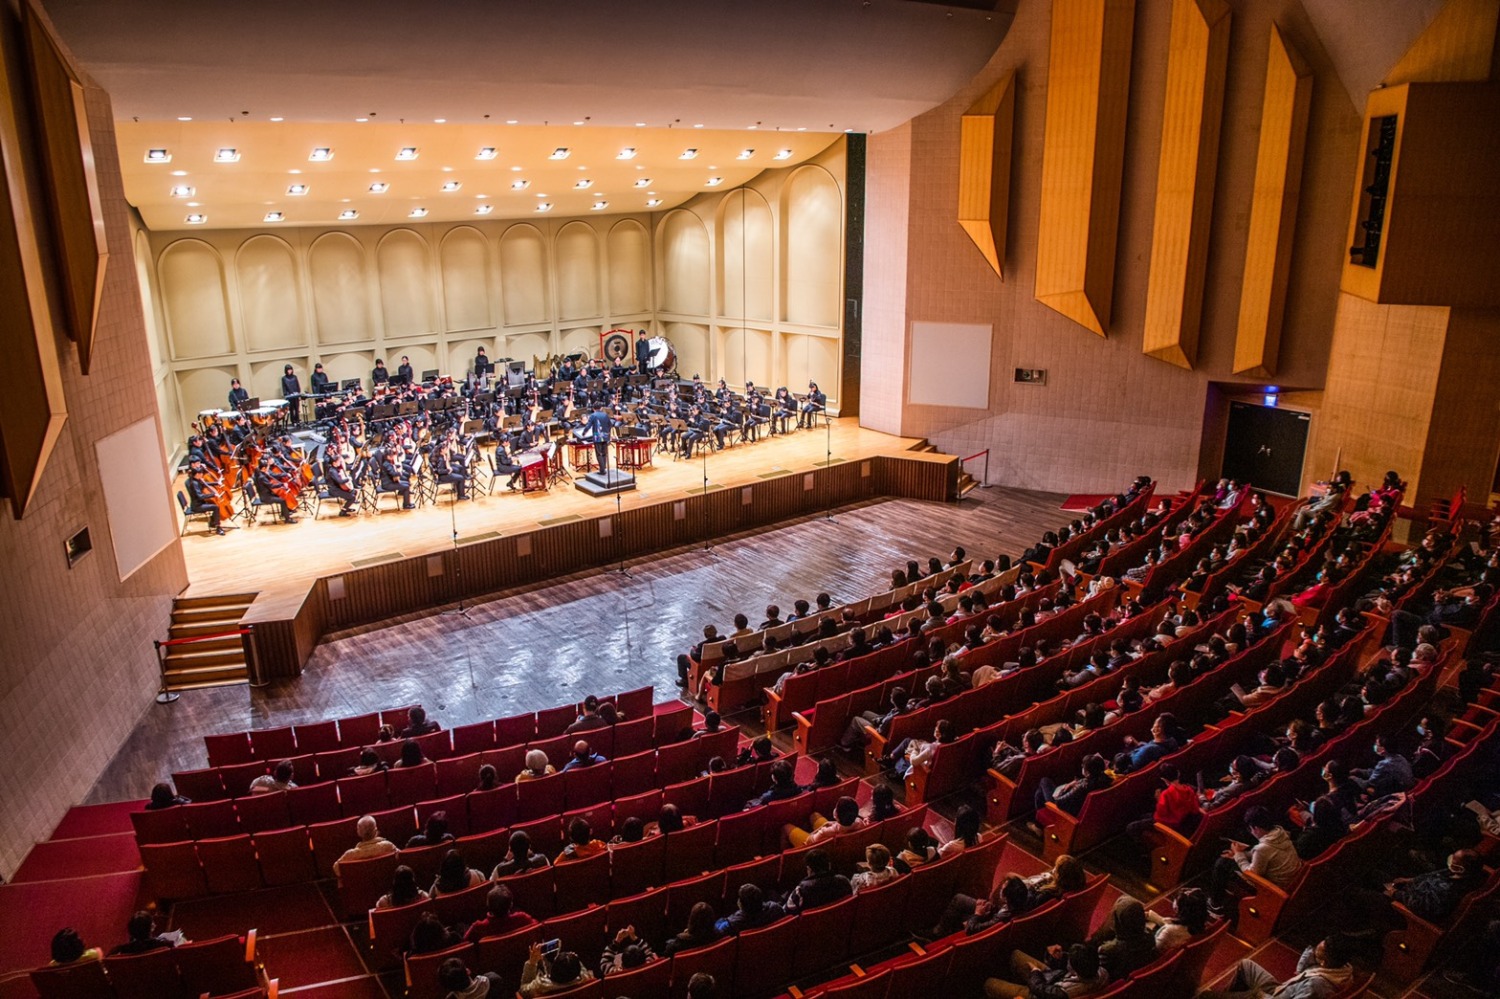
(722, 393)
(482, 364)
(394, 479)
(728, 419)
(237, 394)
(698, 429)
(201, 497)
(814, 404)
(274, 488)
(380, 376)
(443, 471)
(291, 386)
(340, 484)
(783, 409)
(404, 374)
(757, 414)
(505, 464)
(320, 383)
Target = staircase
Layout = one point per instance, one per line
(966, 484)
(211, 662)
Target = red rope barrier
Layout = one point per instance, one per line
(204, 638)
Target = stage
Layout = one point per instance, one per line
(281, 563)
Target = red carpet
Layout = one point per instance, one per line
(97, 820)
(364, 988)
(98, 908)
(77, 858)
(324, 955)
(269, 911)
(1080, 502)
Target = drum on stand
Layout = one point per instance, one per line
(663, 355)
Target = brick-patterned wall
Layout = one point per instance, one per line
(1107, 411)
(76, 663)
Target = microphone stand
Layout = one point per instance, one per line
(619, 519)
(828, 463)
(708, 545)
(458, 583)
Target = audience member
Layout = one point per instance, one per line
(371, 844)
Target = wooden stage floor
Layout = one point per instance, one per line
(281, 561)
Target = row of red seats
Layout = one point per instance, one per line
(363, 730)
(217, 967)
(1076, 546)
(1264, 549)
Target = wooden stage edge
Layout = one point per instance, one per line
(306, 582)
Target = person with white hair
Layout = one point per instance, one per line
(536, 766)
(371, 844)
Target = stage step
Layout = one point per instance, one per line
(201, 628)
(209, 615)
(208, 662)
(188, 656)
(216, 600)
(966, 484)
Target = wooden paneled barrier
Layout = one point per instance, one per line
(284, 632)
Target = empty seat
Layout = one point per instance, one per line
(409, 785)
(363, 795)
(455, 809)
(536, 798)
(764, 958)
(317, 803)
(73, 981)
(634, 774)
(211, 819)
(219, 966)
(362, 882)
(259, 812)
(152, 975)
(436, 745)
(274, 743)
(160, 825)
(647, 912)
(552, 722)
(459, 774)
(238, 776)
(490, 810)
(199, 785)
(286, 856)
(330, 840)
(579, 881)
(361, 730)
(475, 738)
(689, 851)
(716, 960)
(228, 749)
(229, 864)
(587, 786)
(515, 731)
(390, 932)
(318, 737)
(636, 867)
(582, 931)
(173, 871)
(822, 938)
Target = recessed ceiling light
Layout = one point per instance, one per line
(484, 209)
(417, 213)
(481, 197)
(294, 171)
(583, 185)
(745, 154)
(784, 154)
(578, 123)
(275, 217)
(297, 189)
(643, 182)
(689, 154)
(848, 131)
(802, 129)
(407, 153)
(374, 169)
(543, 195)
(715, 181)
(348, 215)
(640, 124)
(447, 169)
(560, 153)
(361, 119)
(519, 185)
(379, 187)
(511, 121)
(182, 191)
(628, 153)
(752, 127)
(277, 117)
(179, 173)
(699, 125)
(653, 202)
(599, 206)
(440, 121)
(227, 155)
(545, 206)
(197, 218)
(320, 154)
(516, 169)
(451, 185)
(184, 117)
(195, 204)
(158, 156)
(485, 153)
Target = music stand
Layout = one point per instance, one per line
(430, 375)
(349, 385)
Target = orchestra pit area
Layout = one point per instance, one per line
(991, 499)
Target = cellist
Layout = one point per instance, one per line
(275, 486)
(204, 498)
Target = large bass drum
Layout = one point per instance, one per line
(663, 355)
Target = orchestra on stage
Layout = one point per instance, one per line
(502, 424)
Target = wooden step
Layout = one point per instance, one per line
(178, 659)
(205, 676)
(216, 600)
(966, 484)
(197, 629)
(209, 615)
(229, 643)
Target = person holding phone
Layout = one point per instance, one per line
(551, 969)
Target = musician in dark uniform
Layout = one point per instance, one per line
(643, 352)
(380, 376)
(291, 387)
(237, 394)
(199, 500)
(320, 383)
(340, 485)
(597, 428)
(698, 429)
(393, 478)
(404, 372)
(482, 365)
(505, 464)
(727, 420)
(814, 404)
(266, 481)
(443, 471)
(757, 413)
(783, 409)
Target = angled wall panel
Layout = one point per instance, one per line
(1088, 89)
(1199, 54)
(984, 170)
(1273, 208)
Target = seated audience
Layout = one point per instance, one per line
(141, 936)
(581, 843)
(404, 890)
(455, 876)
(876, 870)
(820, 887)
(701, 930)
(536, 766)
(1322, 972)
(460, 983)
(583, 756)
(68, 948)
(500, 916)
(162, 796)
(371, 844)
(429, 935)
(624, 952)
(752, 911)
(520, 859)
(279, 779)
(540, 977)
(417, 724)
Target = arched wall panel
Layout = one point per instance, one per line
(578, 272)
(629, 247)
(459, 360)
(465, 257)
(202, 388)
(405, 283)
(747, 261)
(813, 220)
(352, 364)
(525, 346)
(194, 300)
(336, 266)
(747, 357)
(691, 341)
(523, 275)
(270, 294)
(685, 264)
(585, 339)
(423, 357)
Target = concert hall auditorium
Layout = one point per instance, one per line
(802, 499)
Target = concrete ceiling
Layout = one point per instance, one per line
(1365, 39)
(525, 77)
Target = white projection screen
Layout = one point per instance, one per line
(950, 365)
(136, 495)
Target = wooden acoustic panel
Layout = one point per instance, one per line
(1273, 208)
(80, 250)
(1088, 90)
(984, 170)
(1457, 47)
(1199, 54)
(32, 409)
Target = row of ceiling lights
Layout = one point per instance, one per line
(515, 121)
(322, 154)
(350, 214)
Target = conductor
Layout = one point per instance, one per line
(597, 427)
